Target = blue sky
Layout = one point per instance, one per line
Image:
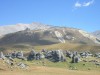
(82, 14)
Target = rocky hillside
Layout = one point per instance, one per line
(19, 27)
(96, 33)
(46, 35)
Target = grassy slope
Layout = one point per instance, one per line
(69, 46)
(50, 68)
(63, 46)
(61, 68)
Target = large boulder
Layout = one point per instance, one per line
(69, 54)
(2, 56)
(38, 56)
(76, 58)
(32, 55)
(58, 56)
(13, 54)
(19, 54)
(22, 65)
(55, 55)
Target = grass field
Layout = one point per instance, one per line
(48, 71)
(36, 67)
(63, 46)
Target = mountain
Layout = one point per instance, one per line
(40, 34)
(97, 33)
(19, 27)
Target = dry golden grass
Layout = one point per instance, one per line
(69, 46)
(48, 71)
(63, 46)
(42, 70)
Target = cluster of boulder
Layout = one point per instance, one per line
(74, 56)
(55, 55)
(97, 55)
(9, 59)
(86, 54)
(52, 55)
(35, 55)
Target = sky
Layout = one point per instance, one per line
(81, 14)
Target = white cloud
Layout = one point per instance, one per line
(77, 4)
(84, 4)
(88, 3)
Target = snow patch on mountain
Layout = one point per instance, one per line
(64, 32)
(59, 36)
